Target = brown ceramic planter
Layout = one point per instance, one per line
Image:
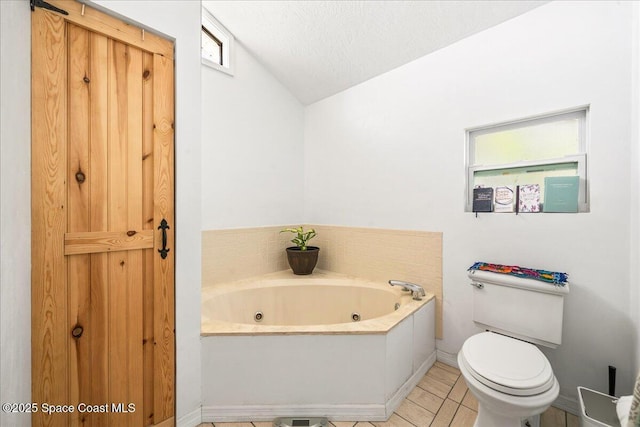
(302, 262)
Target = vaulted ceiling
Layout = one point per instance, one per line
(319, 48)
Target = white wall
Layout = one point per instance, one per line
(178, 19)
(634, 300)
(15, 208)
(390, 153)
(252, 143)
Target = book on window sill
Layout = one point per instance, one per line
(483, 199)
(561, 193)
(504, 199)
(529, 198)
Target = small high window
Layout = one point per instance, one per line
(211, 47)
(217, 44)
(526, 151)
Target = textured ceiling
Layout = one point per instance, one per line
(319, 48)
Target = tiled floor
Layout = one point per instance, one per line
(440, 399)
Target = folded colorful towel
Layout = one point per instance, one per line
(559, 279)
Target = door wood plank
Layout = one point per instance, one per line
(164, 294)
(49, 335)
(106, 241)
(98, 180)
(134, 222)
(78, 143)
(118, 261)
(147, 224)
(78, 272)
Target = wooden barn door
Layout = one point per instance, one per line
(103, 337)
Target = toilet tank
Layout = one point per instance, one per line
(527, 309)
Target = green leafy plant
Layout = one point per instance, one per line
(302, 237)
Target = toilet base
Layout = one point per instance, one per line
(534, 421)
(487, 418)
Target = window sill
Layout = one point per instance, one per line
(218, 67)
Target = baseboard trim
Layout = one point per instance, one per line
(192, 419)
(447, 358)
(567, 404)
(355, 412)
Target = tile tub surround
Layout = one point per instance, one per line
(343, 375)
(370, 253)
(239, 253)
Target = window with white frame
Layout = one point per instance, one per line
(217, 44)
(526, 151)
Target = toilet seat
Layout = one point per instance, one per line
(507, 365)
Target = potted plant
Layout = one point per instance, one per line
(302, 258)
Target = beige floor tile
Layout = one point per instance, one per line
(470, 401)
(415, 414)
(364, 424)
(262, 423)
(572, 420)
(442, 375)
(464, 417)
(434, 386)
(427, 400)
(206, 425)
(394, 421)
(458, 391)
(446, 367)
(553, 417)
(341, 423)
(445, 414)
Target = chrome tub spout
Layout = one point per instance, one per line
(417, 291)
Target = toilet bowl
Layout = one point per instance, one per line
(511, 379)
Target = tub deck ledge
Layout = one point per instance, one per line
(210, 326)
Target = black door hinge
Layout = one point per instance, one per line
(43, 4)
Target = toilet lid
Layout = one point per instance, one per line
(507, 365)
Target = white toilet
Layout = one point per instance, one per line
(509, 376)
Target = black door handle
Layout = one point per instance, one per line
(164, 226)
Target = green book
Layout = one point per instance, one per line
(561, 193)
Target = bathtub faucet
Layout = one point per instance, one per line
(417, 291)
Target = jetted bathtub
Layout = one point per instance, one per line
(321, 345)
